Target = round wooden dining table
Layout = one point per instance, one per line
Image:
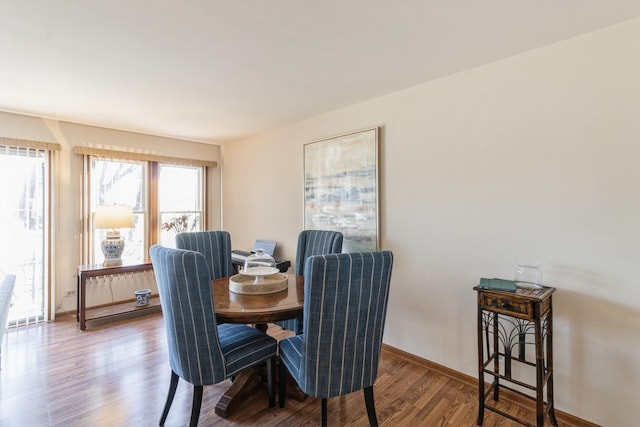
(231, 307)
(258, 310)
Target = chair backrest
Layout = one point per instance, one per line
(316, 242)
(184, 284)
(214, 245)
(345, 305)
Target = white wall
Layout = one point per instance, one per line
(534, 157)
(67, 215)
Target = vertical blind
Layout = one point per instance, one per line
(25, 168)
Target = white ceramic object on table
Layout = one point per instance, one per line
(259, 273)
(270, 283)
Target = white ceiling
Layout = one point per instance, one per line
(219, 70)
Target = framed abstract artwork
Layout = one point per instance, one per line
(341, 188)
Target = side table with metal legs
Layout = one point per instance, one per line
(507, 323)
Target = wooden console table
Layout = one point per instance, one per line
(505, 323)
(98, 270)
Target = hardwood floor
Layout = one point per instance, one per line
(117, 374)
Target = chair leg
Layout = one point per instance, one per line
(271, 367)
(298, 330)
(371, 407)
(282, 383)
(324, 413)
(197, 403)
(173, 385)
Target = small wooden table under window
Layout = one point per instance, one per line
(507, 323)
(98, 270)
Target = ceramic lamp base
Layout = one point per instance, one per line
(112, 248)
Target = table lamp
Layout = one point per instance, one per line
(113, 217)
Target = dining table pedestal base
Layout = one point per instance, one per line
(244, 383)
(257, 310)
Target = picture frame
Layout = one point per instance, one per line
(341, 181)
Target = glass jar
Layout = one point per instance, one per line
(259, 261)
(528, 276)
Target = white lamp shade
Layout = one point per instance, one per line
(113, 216)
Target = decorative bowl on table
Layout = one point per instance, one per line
(143, 297)
(269, 284)
(258, 274)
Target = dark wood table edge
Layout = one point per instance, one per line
(264, 316)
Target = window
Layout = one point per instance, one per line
(179, 201)
(26, 169)
(166, 199)
(120, 182)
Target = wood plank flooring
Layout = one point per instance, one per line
(116, 374)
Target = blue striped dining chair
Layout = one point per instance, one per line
(311, 242)
(345, 305)
(214, 245)
(202, 352)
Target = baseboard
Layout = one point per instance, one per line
(562, 417)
